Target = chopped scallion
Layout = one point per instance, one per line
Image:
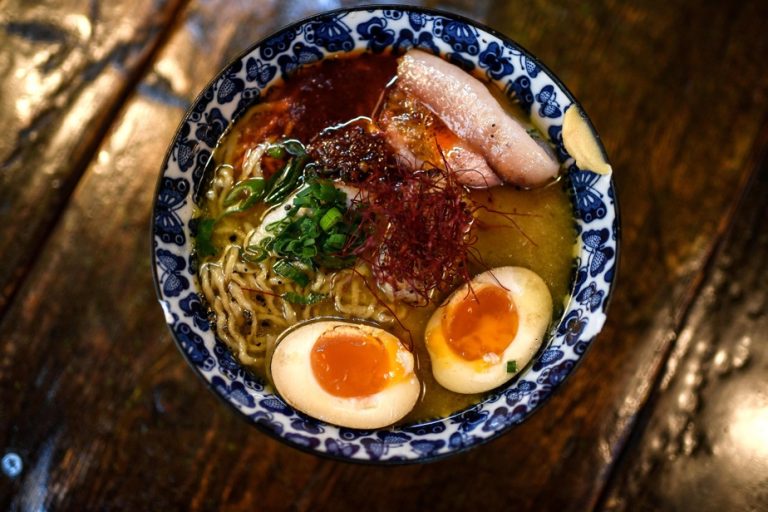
(335, 242)
(288, 270)
(204, 237)
(330, 219)
(250, 189)
(288, 181)
(276, 151)
(304, 300)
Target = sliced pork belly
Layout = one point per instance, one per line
(469, 110)
(419, 136)
(465, 162)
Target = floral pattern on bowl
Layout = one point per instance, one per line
(477, 49)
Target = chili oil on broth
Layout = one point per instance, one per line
(538, 234)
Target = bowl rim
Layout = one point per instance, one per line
(572, 280)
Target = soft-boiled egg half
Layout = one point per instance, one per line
(347, 374)
(489, 329)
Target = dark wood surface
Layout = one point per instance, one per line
(669, 410)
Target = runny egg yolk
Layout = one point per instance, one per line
(349, 374)
(481, 323)
(350, 365)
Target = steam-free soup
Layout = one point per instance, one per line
(345, 195)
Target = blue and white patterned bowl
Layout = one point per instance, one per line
(489, 55)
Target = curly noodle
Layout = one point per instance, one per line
(246, 298)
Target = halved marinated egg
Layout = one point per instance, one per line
(351, 375)
(489, 329)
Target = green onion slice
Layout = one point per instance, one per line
(304, 300)
(288, 270)
(330, 219)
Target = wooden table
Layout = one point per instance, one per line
(98, 410)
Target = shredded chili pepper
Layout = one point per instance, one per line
(417, 226)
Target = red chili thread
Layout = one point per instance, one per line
(508, 216)
(417, 226)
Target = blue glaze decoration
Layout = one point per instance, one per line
(243, 83)
(170, 198)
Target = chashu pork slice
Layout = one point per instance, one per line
(469, 110)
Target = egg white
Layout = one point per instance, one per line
(292, 375)
(533, 302)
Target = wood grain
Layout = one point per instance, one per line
(64, 69)
(105, 414)
(701, 445)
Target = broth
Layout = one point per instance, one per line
(538, 233)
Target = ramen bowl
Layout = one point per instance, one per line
(488, 55)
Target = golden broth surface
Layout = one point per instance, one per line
(548, 222)
(528, 228)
